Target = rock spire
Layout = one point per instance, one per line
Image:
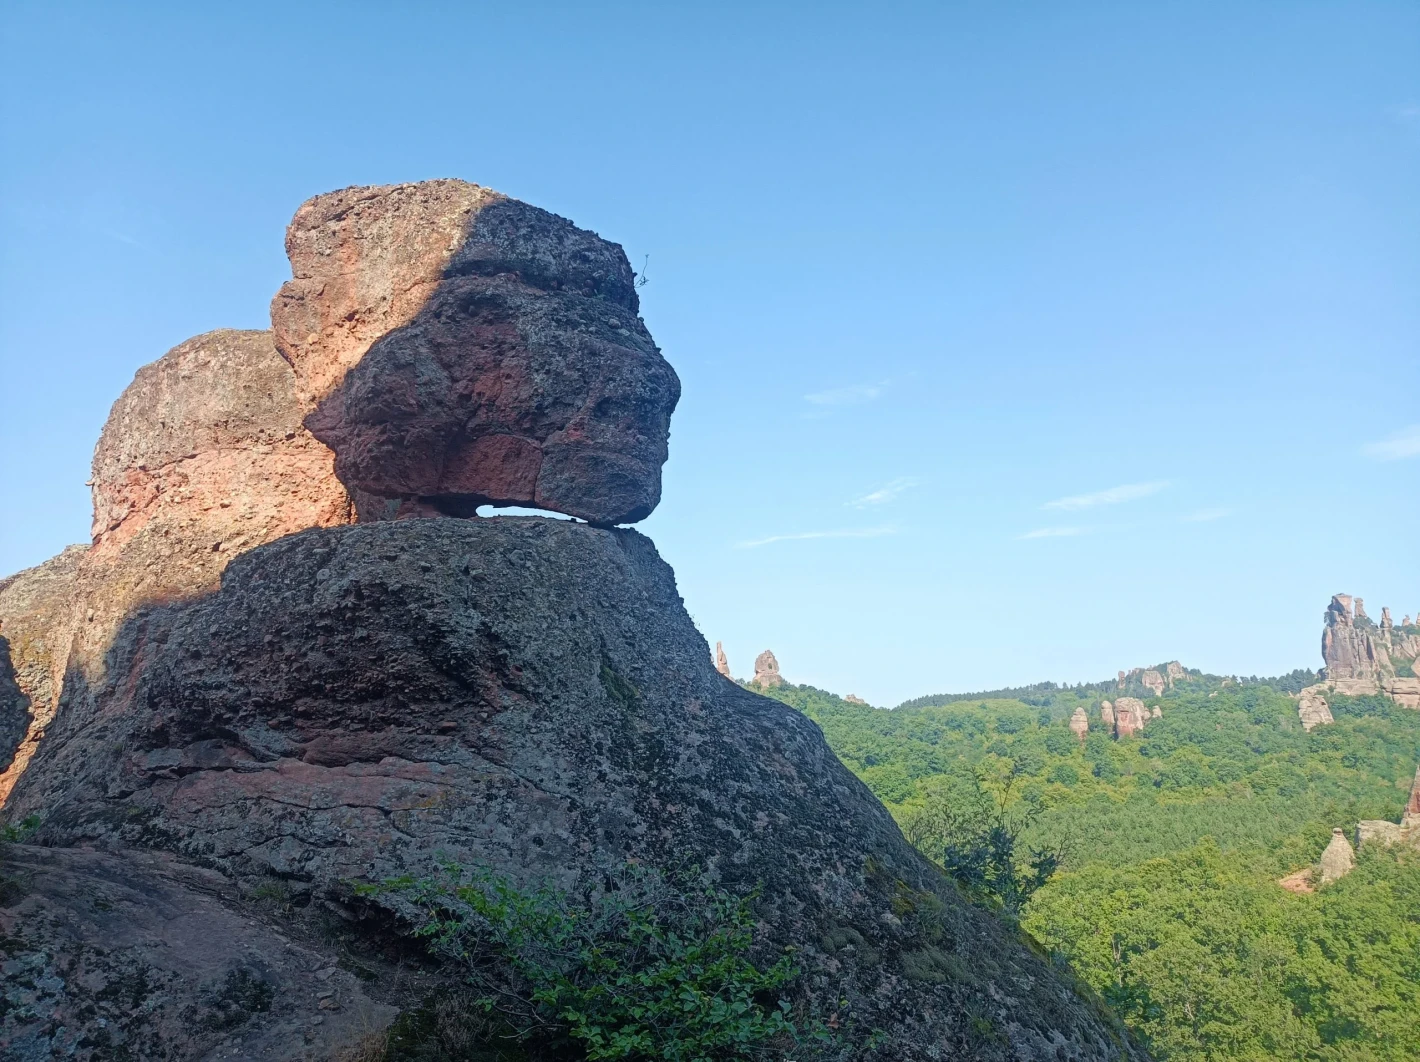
(1338, 860)
(722, 663)
(766, 670)
(1080, 723)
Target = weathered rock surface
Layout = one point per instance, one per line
(203, 456)
(1080, 723)
(1312, 707)
(1363, 658)
(766, 670)
(1338, 860)
(37, 616)
(131, 955)
(1153, 682)
(853, 698)
(367, 700)
(722, 663)
(15, 716)
(1130, 716)
(456, 347)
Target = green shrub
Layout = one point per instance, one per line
(644, 968)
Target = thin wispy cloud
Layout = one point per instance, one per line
(854, 395)
(1054, 532)
(1113, 496)
(1203, 516)
(123, 237)
(857, 532)
(1409, 113)
(886, 493)
(1397, 447)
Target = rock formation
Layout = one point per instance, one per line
(1362, 658)
(203, 457)
(36, 625)
(1338, 860)
(363, 701)
(722, 663)
(137, 956)
(1407, 831)
(260, 689)
(766, 670)
(1107, 716)
(1153, 682)
(1156, 712)
(1174, 671)
(853, 698)
(457, 347)
(1130, 716)
(1312, 708)
(1080, 723)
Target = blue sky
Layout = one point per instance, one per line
(1018, 341)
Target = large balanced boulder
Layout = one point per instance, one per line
(530, 694)
(456, 347)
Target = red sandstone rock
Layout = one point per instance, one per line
(1080, 723)
(203, 457)
(456, 347)
(766, 670)
(36, 625)
(1153, 682)
(1130, 716)
(722, 664)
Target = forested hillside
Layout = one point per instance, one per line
(1161, 854)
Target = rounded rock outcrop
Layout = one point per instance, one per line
(530, 694)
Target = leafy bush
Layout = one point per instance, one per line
(644, 968)
(972, 828)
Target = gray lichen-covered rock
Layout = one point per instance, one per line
(128, 955)
(457, 347)
(368, 700)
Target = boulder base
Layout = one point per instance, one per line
(365, 701)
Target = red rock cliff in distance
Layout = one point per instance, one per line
(456, 347)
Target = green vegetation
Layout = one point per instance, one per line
(1151, 864)
(645, 968)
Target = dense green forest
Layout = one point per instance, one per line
(1160, 854)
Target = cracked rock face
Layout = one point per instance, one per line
(456, 347)
(37, 615)
(203, 457)
(364, 701)
(129, 955)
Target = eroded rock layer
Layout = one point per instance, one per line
(456, 347)
(364, 701)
